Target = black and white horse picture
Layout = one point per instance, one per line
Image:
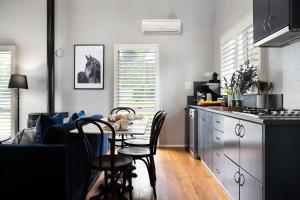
(92, 72)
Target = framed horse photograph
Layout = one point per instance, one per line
(88, 66)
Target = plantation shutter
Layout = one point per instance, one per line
(6, 95)
(228, 60)
(246, 52)
(136, 78)
(237, 48)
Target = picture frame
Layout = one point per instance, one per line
(89, 66)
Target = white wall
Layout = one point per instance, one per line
(182, 57)
(23, 23)
(281, 64)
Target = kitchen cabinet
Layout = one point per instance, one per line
(260, 16)
(270, 16)
(250, 188)
(239, 184)
(231, 139)
(279, 15)
(243, 145)
(231, 178)
(251, 148)
(208, 139)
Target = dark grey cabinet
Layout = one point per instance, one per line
(208, 139)
(231, 139)
(231, 178)
(250, 188)
(260, 17)
(279, 15)
(251, 148)
(270, 16)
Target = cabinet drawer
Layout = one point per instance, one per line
(218, 122)
(219, 173)
(218, 138)
(218, 157)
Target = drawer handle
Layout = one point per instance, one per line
(236, 130)
(218, 122)
(237, 177)
(218, 138)
(242, 180)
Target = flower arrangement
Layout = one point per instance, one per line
(230, 86)
(246, 77)
(241, 80)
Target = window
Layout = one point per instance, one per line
(136, 78)
(237, 47)
(7, 54)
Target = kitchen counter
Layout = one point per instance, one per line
(235, 112)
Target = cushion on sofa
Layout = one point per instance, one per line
(77, 115)
(25, 136)
(44, 122)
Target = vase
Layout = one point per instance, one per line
(230, 101)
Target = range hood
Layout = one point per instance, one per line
(281, 38)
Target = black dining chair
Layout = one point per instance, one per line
(146, 154)
(122, 137)
(141, 142)
(114, 166)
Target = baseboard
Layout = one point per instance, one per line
(172, 145)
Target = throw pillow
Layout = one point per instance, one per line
(25, 136)
(45, 122)
(77, 115)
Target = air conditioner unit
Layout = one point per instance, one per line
(161, 25)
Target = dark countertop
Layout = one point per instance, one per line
(234, 112)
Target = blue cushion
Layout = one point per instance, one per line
(77, 115)
(44, 122)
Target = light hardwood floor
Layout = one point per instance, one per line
(179, 177)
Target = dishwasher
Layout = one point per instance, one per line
(193, 131)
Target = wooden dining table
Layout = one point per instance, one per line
(136, 127)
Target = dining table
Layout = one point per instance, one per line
(135, 127)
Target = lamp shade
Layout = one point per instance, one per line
(18, 81)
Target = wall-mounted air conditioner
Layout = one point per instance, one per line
(161, 25)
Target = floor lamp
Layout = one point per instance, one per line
(18, 82)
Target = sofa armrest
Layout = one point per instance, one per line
(29, 171)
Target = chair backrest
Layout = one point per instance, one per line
(157, 124)
(118, 109)
(85, 121)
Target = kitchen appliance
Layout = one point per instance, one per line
(274, 113)
(269, 101)
(193, 131)
(206, 90)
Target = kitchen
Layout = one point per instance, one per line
(251, 149)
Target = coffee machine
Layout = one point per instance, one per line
(206, 90)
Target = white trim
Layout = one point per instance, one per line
(272, 36)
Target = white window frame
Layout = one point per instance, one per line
(12, 49)
(118, 47)
(233, 33)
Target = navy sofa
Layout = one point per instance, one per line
(52, 170)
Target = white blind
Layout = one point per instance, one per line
(5, 93)
(228, 59)
(245, 48)
(238, 48)
(136, 78)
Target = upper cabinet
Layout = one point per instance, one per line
(276, 22)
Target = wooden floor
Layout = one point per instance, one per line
(179, 177)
